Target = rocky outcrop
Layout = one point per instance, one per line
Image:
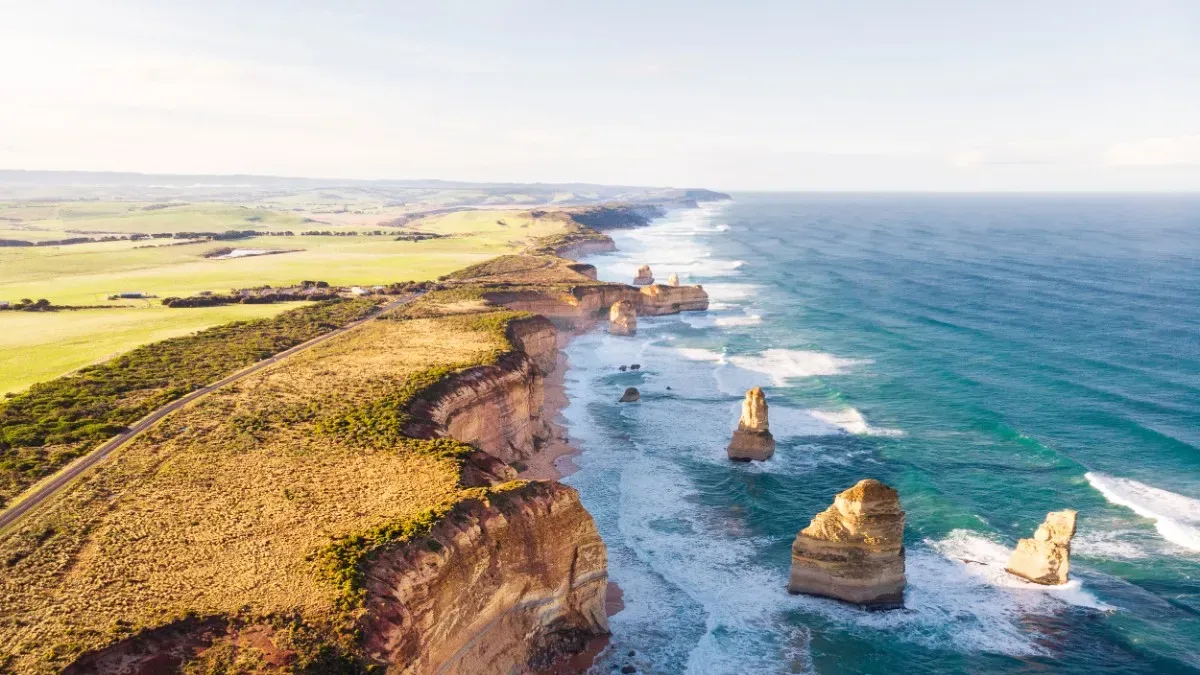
(586, 270)
(854, 550)
(658, 299)
(503, 585)
(644, 276)
(752, 439)
(673, 280)
(622, 318)
(631, 395)
(1046, 558)
(496, 408)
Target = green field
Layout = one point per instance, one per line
(39, 346)
(35, 347)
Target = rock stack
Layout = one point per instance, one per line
(644, 276)
(1046, 559)
(854, 550)
(631, 395)
(752, 439)
(622, 318)
(673, 280)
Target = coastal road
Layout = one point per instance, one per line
(43, 492)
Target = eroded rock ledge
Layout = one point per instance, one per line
(500, 587)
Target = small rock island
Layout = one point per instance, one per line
(644, 276)
(854, 550)
(673, 280)
(752, 440)
(1046, 558)
(622, 318)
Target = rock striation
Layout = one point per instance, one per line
(622, 318)
(644, 276)
(1046, 558)
(631, 394)
(673, 280)
(854, 550)
(752, 439)
(506, 585)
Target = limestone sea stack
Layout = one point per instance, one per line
(673, 280)
(1046, 559)
(854, 550)
(752, 439)
(622, 318)
(644, 276)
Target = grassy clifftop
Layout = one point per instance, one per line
(247, 504)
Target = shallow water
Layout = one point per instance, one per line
(993, 358)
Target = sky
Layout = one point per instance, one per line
(801, 95)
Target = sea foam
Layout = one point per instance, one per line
(1176, 517)
(780, 365)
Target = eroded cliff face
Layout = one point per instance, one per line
(503, 586)
(496, 408)
(581, 307)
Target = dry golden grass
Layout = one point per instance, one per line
(216, 510)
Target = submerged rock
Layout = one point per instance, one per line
(623, 368)
(631, 394)
(1046, 559)
(854, 550)
(622, 318)
(644, 276)
(636, 366)
(673, 280)
(752, 439)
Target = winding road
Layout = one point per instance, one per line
(41, 493)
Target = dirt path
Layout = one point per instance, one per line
(41, 493)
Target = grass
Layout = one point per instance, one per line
(230, 507)
(85, 274)
(35, 347)
(53, 422)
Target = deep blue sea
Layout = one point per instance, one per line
(993, 358)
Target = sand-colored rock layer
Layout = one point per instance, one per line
(506, 587)
(854, 550)
(622, 318)
(752, 440)
(1046, 558)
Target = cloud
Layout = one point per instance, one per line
(1163, 151)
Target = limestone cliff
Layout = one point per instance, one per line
(501, 587)
(854, 550)
(658, 299)
(581, 307)
(622, 318)
(752, 439)
(1046, 558)
(496, 408)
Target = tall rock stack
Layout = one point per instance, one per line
(644, 276)
(622, 318)
(673, 280)
(854, 550)
(1046, 559)
(752, 439)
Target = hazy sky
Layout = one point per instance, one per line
(950, 94)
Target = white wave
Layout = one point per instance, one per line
(698, 354)
(727, 292)
(852, 421)
(1111, 545)
(780, 365)
(1176, 517)
(731, 321)
(722, 228)
(959, 597)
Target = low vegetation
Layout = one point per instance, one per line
(53, 422)
(253, 505)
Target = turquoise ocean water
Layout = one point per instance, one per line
(993, 358)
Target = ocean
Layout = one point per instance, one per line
(993, 358)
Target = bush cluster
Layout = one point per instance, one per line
(88, 407)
